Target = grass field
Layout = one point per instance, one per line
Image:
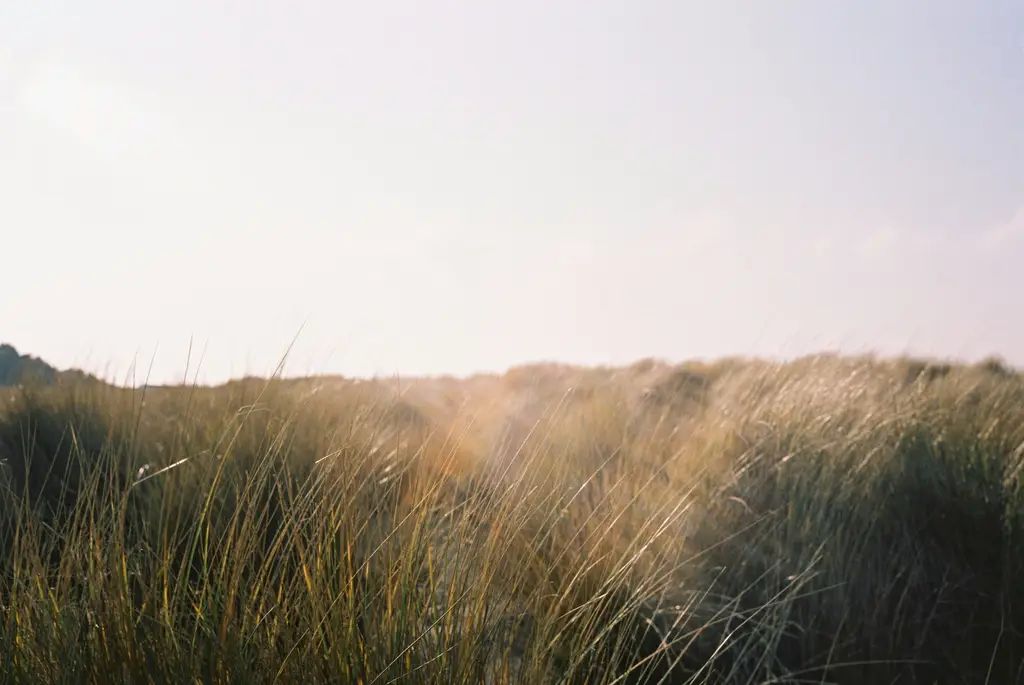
(828, 520)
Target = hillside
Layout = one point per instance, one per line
(831, 519)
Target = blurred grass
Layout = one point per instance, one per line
(846, 520)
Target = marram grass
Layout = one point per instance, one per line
(831, 520)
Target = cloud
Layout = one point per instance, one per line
(1005, 232)
(107, 118)
(822, 245)
(881, 242)
(11, 74)
(891, 240)
(141, 138)
(201, 160)
(6, 66)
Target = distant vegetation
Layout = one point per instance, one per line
(829, 520)
(16, 368)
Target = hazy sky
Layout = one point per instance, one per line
(455, 186)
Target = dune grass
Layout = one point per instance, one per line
(828, 520)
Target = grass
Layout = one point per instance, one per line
(828, 520)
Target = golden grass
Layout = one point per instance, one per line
(827, 520)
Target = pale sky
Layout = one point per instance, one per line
(459, 186)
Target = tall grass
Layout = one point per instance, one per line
(829, 520)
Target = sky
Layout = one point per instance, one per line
(453, 186)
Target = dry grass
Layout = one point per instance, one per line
(829, 520)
